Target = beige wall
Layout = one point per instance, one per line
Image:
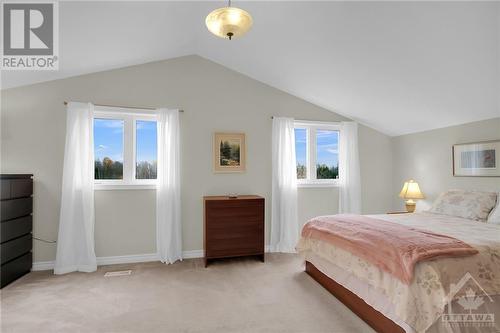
(375, 156)
(427, 158)
(214, 99)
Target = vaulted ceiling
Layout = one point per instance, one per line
(399, 67)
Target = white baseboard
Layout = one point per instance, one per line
(42, 265)
(129, 259)
(192, 254)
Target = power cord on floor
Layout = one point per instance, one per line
(44, 240)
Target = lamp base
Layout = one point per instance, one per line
(410, 206)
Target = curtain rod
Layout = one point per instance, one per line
(124, 107)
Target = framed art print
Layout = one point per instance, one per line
(229, 152)
(481, 159)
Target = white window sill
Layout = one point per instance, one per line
(313, 185)
(114, 187)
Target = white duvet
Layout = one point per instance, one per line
(417, 306)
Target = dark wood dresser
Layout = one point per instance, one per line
(16, 226)
(233, 227)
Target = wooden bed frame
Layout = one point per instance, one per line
(372, 317)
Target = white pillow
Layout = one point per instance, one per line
(472, 205)
(494, 216)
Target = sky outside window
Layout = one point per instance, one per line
(108, 139)
(327, 153)
(301, 152)
(146, 149)
(108, 148)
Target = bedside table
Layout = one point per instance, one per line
(403, 212)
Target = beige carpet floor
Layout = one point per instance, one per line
(240, 295)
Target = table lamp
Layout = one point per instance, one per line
(410, 192)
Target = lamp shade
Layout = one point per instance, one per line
(228, 22)
(411, 190)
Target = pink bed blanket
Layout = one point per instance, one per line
(392, 247)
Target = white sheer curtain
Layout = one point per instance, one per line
(168, 192)
(349, 170)
(75, 241)
(284, 226)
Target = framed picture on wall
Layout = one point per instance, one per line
(229, 152)
(480, 159)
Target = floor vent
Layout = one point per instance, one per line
(118, 273)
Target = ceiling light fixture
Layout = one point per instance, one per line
(228, 22)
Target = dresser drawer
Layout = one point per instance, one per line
(234, 247)
(229, 222)
(250, 231)
(15, 269)
(21, 188)
(234, 227)
(15, 228)
(16, 208)
(240, 252)
(4, 189)
(15, 248)
(237, 204)
(234, 211)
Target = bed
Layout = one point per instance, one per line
(389, 305)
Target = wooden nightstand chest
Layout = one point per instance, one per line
(233, 227)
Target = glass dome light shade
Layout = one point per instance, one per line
(229, 22)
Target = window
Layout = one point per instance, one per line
(301, 152)
(316, 149)
(108, 148)
(125, 148)
(327, 154)
(145, 153)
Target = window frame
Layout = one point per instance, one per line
(129, 118)
(311, 128)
